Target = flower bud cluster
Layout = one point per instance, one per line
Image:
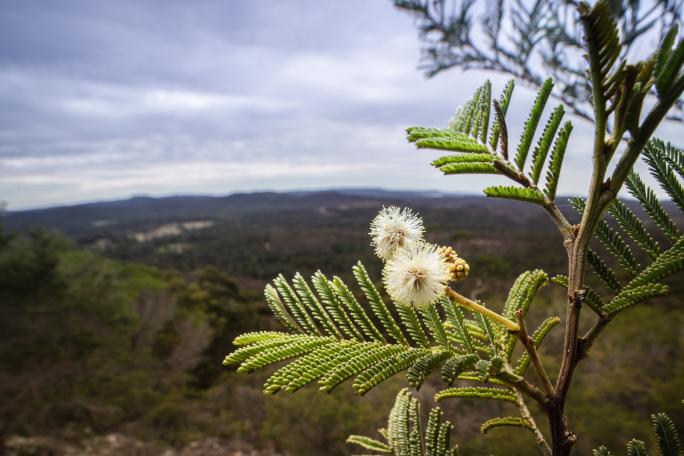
(458, 267)
(416, 272)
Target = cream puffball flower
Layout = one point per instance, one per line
(416, 276)
(394, 228)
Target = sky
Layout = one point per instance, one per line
(105, 100)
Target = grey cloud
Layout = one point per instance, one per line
(109, 99)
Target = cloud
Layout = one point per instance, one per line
(106, 100)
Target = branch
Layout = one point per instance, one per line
(522, 385)
(479, 308)
(586, 341)
(531, 348)
(447, 31)
(565, 228)
(527, 416)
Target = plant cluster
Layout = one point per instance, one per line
(331, 337)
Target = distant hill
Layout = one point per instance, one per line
(89, 218)
(258, 235)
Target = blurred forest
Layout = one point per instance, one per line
(115, 318)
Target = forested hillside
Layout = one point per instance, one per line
(115, 318)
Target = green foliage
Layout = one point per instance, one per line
(642, 282)
(666, 436)
(603, 42)
(404, 433)
(636, 448)
(416, 342)
(669, 63)
(531, 125)
(467, 136)
(542, 150)
(601, 451)
(660, 156)
(648, 200)
(631, 224)
(557, 155)
(499, 126)
(538, 337)
(666, 433)
(516, 193)
(505, 421)
(498, 394)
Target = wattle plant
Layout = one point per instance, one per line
(330, 336)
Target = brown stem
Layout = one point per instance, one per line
(590, 337)
(531, 348)
(601, 195)
(525, 387)
(565, 228)
(527, 416)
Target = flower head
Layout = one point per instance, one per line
(416, 275)
(394, 228)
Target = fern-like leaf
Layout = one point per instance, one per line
(295, 305)
(654, 155)
(386, 368)
(631, 296)
(278, 308)
(433, 321)
(462, 158)
(602, 270)
(312, 303)
(378, 304)
(359, 316)
(424, 366)
(666, 264)
(538, 337)
(480, 392)
(532, 123)
(404, 434)
(631, 224)
(636, 448)
(666, 433)
(603, 43)
(333, 306)
(499, 126)
(520, 297)
(508, 421)
(601, 451)
(653, 208)
(455, 143)
(542, 150)
(369, 443)
(409, 319)
(668, 63)
(456, 319)
(530, 195)
(617, 247)
(453, 367)
(469, 168)
(556, 161)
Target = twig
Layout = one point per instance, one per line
(479, 308)
(531, 348)
(586, 341)
(522, 385)
(527, 416)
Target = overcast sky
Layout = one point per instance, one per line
(103, 100)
